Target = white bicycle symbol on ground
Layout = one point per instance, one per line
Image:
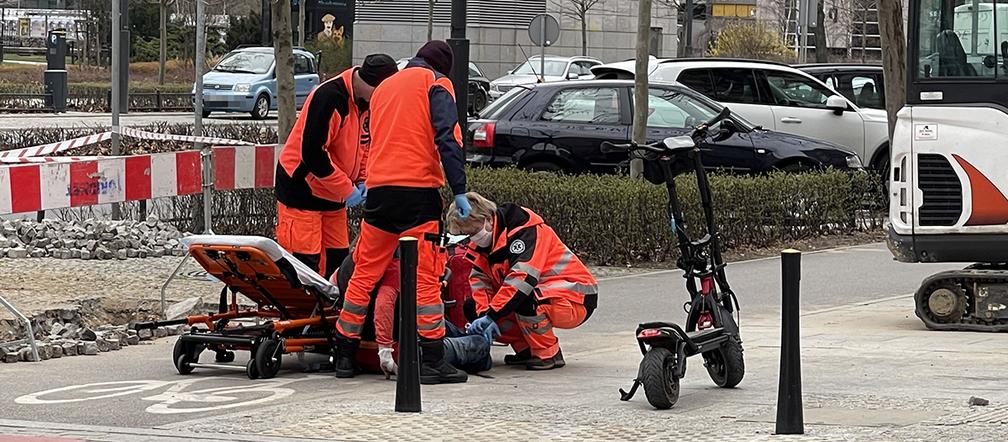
(174, 399)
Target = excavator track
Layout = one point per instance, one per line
(972, 299)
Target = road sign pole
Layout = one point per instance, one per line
(205, 152)
(542, 54)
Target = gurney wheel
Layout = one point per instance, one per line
(184, 354)
(250, 369)
(268, 357)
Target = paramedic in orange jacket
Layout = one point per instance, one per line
(321, 167)
(525, 281)
(416, 147)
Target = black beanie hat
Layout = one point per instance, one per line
(376, 68)
(437, 54)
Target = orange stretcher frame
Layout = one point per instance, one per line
(298, 317)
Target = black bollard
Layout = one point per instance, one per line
(790, 419)
(407, 397)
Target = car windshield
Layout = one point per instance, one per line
(474, 70)
(494, 110)
(245, 63)
(553, 68)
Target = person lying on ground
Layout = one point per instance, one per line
(469, 352)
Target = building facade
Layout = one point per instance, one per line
(498, 30)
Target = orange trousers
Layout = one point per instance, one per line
(311, 232)
(536, 332)
(372, 256)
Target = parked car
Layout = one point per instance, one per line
(245, 81)
(554, 69)
(782, 98)
(479, 86)
(863, 84)
(560, 127)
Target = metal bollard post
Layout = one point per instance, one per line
(790, 419)
(408, 380)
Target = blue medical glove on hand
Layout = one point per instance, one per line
(356, 197)
(463, 206)
(491, 332)
(479, 326)
(363, 190)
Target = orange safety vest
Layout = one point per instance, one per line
(315, 173)
(403, 152)
(526, 258)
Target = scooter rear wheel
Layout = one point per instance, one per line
(661, 386)
(725, 365)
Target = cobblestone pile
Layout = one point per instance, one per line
(89, 239)
(73, 340)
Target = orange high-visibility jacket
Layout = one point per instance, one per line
(326, 151)
(526, 258)
(415, 132)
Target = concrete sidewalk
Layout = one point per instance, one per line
(870, 372)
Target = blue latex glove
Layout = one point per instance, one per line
(363, 190)
(462, 203)
(486, 327)
(357, 196)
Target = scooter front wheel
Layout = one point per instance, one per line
(725, 365)
(661, 386)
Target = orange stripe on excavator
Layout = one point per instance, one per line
(990, 207)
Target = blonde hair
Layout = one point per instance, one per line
(482, 210)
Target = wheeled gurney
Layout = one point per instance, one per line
(295, 306)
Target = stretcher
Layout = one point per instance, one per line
(294, 307)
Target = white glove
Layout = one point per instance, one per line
(387, 362)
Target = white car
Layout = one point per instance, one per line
(777, 97)
(555, 69)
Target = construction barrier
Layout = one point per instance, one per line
(31, 181)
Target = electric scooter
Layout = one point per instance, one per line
(711, 330)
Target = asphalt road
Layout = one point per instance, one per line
(145, 390)
(135, 119)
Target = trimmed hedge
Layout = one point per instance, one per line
(614, 220)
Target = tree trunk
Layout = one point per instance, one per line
(893, 57)
(430, 19)
(301, 22)
(641, 83)
(163, 49)
(584, 32)
(821, 49)
(282, 47)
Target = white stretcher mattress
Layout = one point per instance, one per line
(306, 275)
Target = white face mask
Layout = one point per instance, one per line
(483, 237)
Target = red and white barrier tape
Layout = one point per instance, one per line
(62, 146)
(102, 180)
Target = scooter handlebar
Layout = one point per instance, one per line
(659, 146)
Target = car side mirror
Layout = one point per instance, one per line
(837, 104)
(573, 76)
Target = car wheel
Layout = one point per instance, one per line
(479, 100)
(261, 108)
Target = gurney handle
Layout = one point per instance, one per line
(156, 324)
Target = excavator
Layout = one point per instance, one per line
(949, 173)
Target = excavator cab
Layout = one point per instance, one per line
(947, 183)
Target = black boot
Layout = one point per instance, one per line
(433, 368)
(346, 357)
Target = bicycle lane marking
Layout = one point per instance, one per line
(168, 401)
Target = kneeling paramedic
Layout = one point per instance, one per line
(416, 145)
(321, 166)
(464, 351)
(525, 281)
